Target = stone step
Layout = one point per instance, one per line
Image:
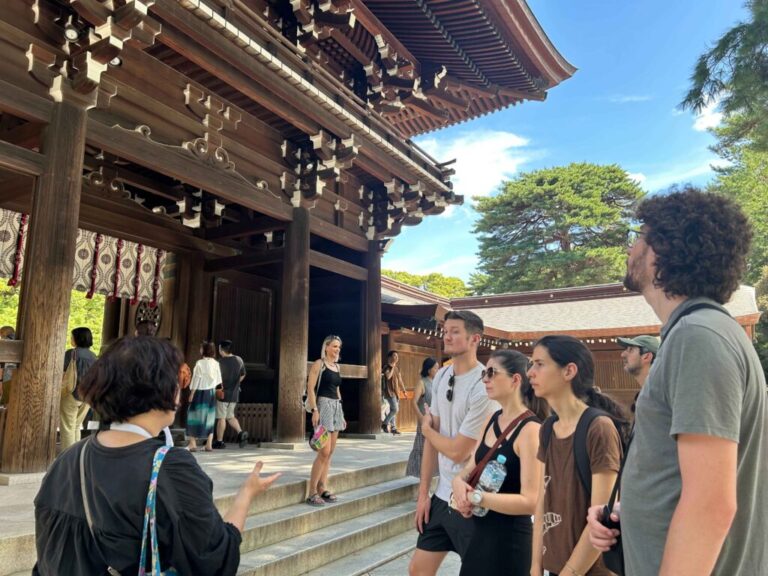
(270, 527)
(310, 551)
(295, 492)
(368, 559)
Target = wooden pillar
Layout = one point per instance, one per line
(110, 324)
(294, 329)
(200, 290)
(29, 443)
(370, 394)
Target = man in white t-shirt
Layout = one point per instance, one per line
(451, 427)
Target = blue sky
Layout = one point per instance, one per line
(634, 61)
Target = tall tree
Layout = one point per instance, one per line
(557, 227)
(746, 181)
(446, 286)
(735, 73)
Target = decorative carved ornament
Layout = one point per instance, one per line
(89, 35)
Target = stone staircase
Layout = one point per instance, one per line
(371, 524)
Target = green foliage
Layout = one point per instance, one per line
(446, 286)
(735, 71)
(746, 181)
(553, 228)
(82, 312)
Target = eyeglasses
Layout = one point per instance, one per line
(451, 383)
(490, 372)
(633, 234)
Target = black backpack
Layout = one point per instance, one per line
(580, 453)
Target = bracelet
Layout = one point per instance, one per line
(573, 571)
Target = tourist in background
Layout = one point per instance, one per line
(134, 386)
(502, 541)
(72, 409)
(637, 356)
(392, 389)
(324, 400)
(562, 373)
(232, 375)
(422, 398)
(7, 333)
(202, 397)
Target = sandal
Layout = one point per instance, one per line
(315, 500)
(328, 497)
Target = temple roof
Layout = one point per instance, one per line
(494, 52)
(606, 310)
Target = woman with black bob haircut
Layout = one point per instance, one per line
(134, 387)
(72, 409)
(562, 372)
(502, 540)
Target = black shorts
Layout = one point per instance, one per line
(446, 531)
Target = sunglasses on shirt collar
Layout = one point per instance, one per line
(451, 384)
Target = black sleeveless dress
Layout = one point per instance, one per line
(501, 544)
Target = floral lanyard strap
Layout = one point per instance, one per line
(150, 523)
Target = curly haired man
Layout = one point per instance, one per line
(693, 497)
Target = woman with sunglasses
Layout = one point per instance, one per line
(562, 372)
(501, 544)
(324, 399)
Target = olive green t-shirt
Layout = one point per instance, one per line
(565, 500)
(707, 379)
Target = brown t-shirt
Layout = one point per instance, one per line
(565, 500)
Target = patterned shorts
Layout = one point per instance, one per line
(331, 414)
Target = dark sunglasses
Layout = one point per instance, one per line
(451, 384)
(490, 373)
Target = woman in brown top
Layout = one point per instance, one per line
(562, 373)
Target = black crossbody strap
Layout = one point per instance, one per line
(87, 508)
(692, 309)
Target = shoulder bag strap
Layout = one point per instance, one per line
(150, 523)
(474, 476)
(699, 306)
(617, 484)
(87, 508)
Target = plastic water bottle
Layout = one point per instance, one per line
(491, 480)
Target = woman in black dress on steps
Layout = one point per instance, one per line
(502, 541)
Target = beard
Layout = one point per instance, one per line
(631, 282)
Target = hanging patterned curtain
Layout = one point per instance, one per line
(105, 265)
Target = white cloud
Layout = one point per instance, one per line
(638, 177)
(709, 117)
(484, 158)
(628, 98)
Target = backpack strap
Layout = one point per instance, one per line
(546, 431)
(580, 451)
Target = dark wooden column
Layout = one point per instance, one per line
(29, 442)
(200, 301)
(294, 329)
(110, 325)
(370, 394)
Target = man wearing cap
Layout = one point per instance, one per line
(637, 356)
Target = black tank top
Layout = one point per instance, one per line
(511, 483)
(329, 383)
